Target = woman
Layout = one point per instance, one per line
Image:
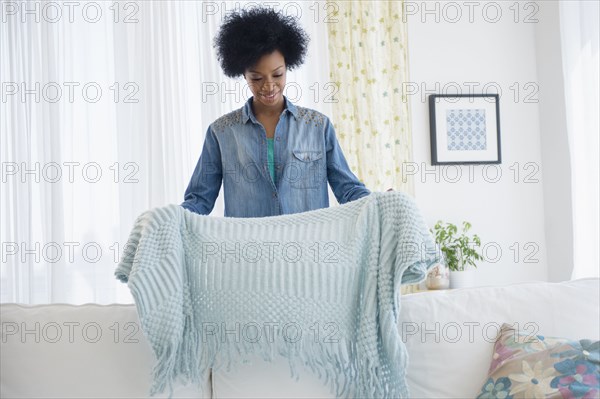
(272, 156)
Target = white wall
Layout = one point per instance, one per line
(508, 214)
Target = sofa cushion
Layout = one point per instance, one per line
(536, 366)
(263, 379)
(68, 351)
(450, 334)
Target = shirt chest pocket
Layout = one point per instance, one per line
(306, 169)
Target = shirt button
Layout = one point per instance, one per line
(274, 195)
(278, 138)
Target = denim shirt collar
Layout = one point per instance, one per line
(248, 114)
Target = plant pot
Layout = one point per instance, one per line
(462, 279)
(438, 278)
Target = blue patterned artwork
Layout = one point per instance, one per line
(466, 129)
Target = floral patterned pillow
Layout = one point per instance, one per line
(534, 366)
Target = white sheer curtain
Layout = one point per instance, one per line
(579, 36)
(77, 169)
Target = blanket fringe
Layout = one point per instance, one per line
(335, 363)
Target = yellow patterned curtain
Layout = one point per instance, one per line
(368, 63)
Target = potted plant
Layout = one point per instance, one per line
(459, 251)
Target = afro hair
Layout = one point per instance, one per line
(246, 35)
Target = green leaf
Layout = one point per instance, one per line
(459, 250)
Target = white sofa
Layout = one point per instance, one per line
(99, 351)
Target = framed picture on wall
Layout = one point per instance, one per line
(464, 129)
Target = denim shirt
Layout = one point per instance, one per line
(307, 156)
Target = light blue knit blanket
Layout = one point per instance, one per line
(321, 288)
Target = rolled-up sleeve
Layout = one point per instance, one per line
(343, 182)
(205, 183)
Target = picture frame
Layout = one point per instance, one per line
(465, 129)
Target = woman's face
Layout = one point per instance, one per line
(266, 79)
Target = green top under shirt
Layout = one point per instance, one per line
(270, 162)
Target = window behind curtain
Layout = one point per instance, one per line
(77, 171)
